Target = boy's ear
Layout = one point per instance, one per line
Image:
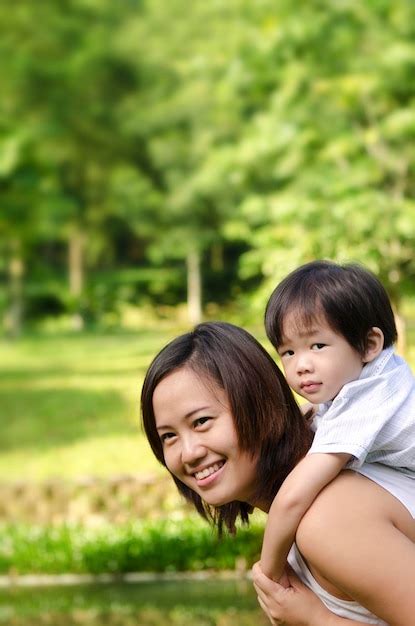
(374, 344)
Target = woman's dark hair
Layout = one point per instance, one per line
(268, 421)
(349, 297)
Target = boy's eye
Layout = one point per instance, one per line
(283, 353)
(318, 346)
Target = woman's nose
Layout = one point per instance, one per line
(192, 449)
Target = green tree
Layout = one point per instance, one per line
(68, 84)
(20, 205)
(237, 135)
(189, 110)
(322, 165)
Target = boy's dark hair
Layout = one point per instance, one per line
(268, 421)
(350, 297)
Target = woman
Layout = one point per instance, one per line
(219, 415)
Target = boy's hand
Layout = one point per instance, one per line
(308, 410)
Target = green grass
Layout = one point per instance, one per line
(182, 544)
(70, 404)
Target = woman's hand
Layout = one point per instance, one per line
(292, 606)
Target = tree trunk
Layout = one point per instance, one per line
(194, 287)
(14, 315)
(216, 257)
(76, 275)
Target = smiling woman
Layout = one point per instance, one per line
(223, 370)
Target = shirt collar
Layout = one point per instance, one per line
(377, 366)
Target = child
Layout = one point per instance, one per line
(334, 330)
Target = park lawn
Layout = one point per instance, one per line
(70, 404)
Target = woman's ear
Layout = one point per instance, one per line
(374, 344)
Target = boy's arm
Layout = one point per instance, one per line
(296, 494)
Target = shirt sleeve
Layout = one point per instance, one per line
(363, 413)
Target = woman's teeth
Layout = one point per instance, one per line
(208, 471)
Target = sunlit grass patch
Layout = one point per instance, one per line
(70, 404)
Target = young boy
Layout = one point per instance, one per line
(334, 329)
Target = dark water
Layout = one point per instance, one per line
(182, 603)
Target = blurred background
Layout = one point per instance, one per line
(163, 163)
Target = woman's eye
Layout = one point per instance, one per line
(166, 437)
(200, 421)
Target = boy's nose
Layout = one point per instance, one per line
(304, 364)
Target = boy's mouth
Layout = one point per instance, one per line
(310, 386)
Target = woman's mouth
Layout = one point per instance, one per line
(208, 474)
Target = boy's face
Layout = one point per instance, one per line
(317, 361)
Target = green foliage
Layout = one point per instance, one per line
(274, 134)
(317, 169)
(147, 546)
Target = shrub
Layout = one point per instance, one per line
(146, 546)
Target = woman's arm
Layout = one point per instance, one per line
(360, 539)
(296, 605)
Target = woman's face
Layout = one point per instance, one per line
(199, 439)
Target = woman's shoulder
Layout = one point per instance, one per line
(347, 502)
(358, 540)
